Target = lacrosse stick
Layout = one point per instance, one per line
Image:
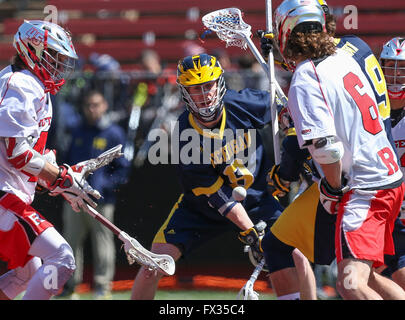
(134, 250)
(272, 77)
(247, 292)
(230, 27)
(89, 166)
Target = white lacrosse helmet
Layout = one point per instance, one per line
(291, 13)
(394, 50)
(47, 51)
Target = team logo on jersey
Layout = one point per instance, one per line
(306, 131)
(35, 218)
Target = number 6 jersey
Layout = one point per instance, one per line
(333, 97)
(25, 111)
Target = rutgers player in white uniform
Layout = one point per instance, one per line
(336, 117)
(45, 57)
(392, 60)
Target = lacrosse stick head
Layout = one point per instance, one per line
(247, 292)
(137, 253)
(89, 166)
(229, 26)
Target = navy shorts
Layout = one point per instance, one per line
(397, 261)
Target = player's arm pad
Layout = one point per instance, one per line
(326, 150)
(23, 157)
(222, 200)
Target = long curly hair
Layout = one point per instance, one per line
(309, 45)
(330, 23)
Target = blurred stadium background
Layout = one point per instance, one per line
(129, 49)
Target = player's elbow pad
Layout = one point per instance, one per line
(326, 150)
(23, 157)
(221, 201)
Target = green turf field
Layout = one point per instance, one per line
(179, 295)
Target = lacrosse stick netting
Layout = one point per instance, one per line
(248, 292)
(229, 26)
(134, 250)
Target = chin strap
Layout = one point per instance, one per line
(49, 84)
(52, 87)
(396, 95)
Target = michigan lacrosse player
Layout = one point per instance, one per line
(359, 170)
(44, 60)
(223, 124)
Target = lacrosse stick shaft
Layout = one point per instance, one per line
(279, 92)
(273, 90)
(270, 63)
(96, 215)
(273, 106)
(257, 271)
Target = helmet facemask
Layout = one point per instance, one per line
(393, 65)
(204, 100)
(58, 66)
(395, 79)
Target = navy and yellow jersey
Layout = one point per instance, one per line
(370, 66)
(230, 155)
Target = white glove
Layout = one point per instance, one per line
(74, 188)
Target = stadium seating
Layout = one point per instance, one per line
(112, 31)
(157, 6)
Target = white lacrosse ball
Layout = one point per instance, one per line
(239, 193)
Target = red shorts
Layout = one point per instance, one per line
(365, 222)
(20, 224)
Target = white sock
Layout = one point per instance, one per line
(291, 296)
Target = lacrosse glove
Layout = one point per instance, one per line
(266, 43)
(253, 237)
(74, 188)
(330, 197)
(278, 187)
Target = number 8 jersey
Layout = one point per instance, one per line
(25, 112)
(333, 97)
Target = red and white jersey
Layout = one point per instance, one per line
(25, 111)
(332, 97)
(398, 134)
